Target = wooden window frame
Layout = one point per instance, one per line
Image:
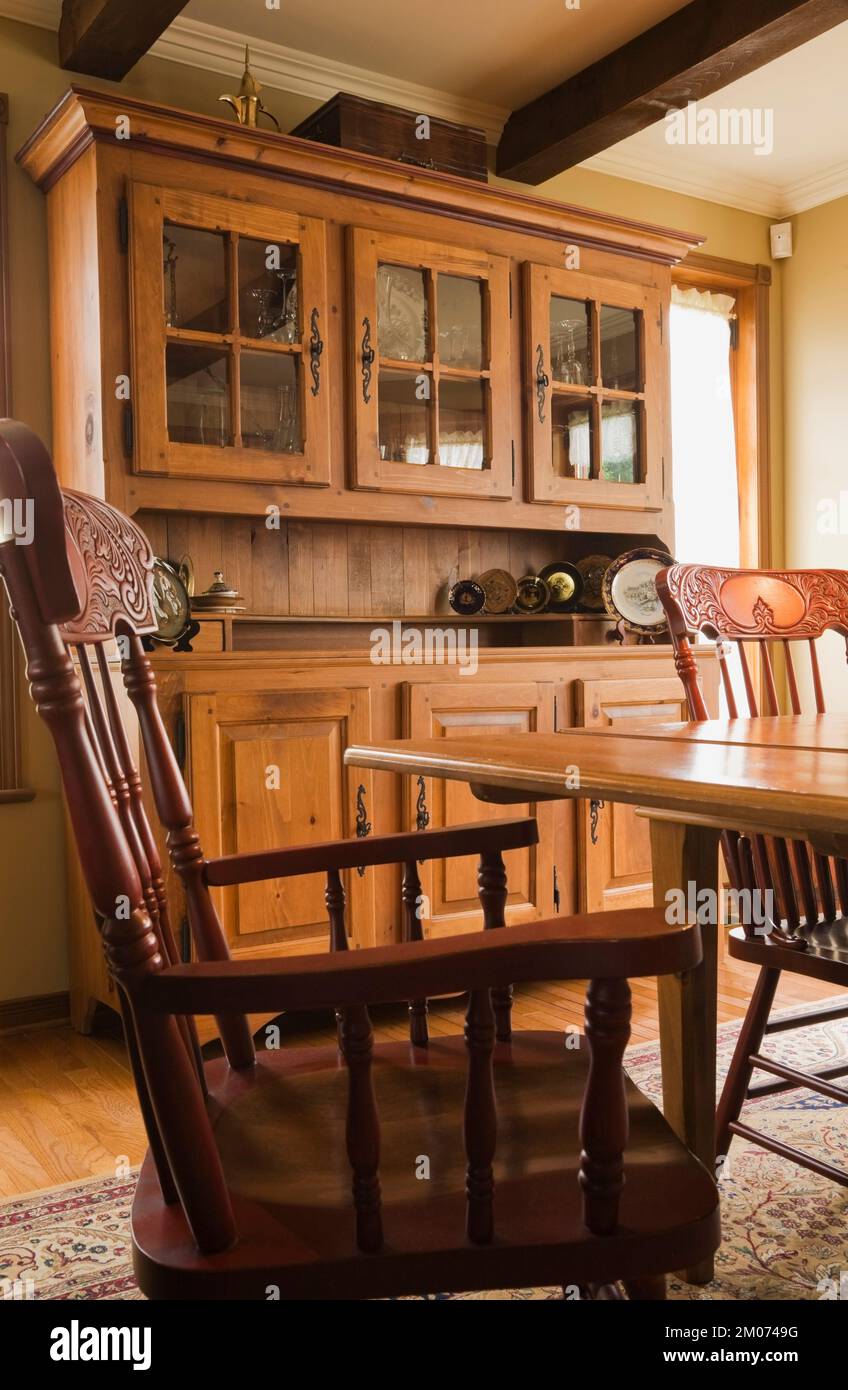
(749, 284)
(11, 788)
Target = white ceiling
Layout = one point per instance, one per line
(501, 52)
(476, 60)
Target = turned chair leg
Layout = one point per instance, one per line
(739, 1073)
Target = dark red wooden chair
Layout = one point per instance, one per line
(491, 1162)
(788, 610)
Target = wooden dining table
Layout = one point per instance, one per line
(784, 775)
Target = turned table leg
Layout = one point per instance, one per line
(684, 854)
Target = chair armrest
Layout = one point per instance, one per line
(486, 838)
(612, 945)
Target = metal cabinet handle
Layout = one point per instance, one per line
(368, 355)
(422, 815)
(316, 348)
(543, 381)
(363, 824)
(595, 808)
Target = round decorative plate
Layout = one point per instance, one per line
(630, 591)
(533, 595)
(467, 597)
(170, 601)
(500, 589)
(565, 583)
(592, 570)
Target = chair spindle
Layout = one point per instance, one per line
(412, 931)
(604, 1124)
(491, 881)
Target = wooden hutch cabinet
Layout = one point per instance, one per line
(347, 383)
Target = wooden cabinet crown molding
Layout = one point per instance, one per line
(84, 116)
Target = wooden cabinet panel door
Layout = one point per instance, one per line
(267, 771)
(457, 710)
(230, 375)
(614, 847)
(596, 387)
(430, 378)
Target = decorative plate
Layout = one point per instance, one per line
(630, 591)
(500, 589)
(467, 597)
(565, 583)
(170, 602)
(533, 594)
(592, 570)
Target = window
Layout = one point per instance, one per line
(748, 285)
(706, 489)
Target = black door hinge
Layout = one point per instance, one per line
(180, 740)
(556, 891)
(510, 296)
(124, 224)
(734, 332)
(513, 462)
(129, 431)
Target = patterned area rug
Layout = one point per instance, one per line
(785, 1229)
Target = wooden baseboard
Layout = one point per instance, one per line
(36, 1011)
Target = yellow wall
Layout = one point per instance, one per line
(815, 365)
(33, 957)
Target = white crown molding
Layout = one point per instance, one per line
(817, 189)
(206, 46)
(714, 186)
(214, 49)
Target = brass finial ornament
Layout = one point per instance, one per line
(247, 104)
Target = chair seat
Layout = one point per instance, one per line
(825, 956)
(280, 1132)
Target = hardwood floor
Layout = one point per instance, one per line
(68, 1108)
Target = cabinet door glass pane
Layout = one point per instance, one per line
(268, 290)
(198, 395)
(620, 442)
(570, 338)
(402, 318)
(459, 314)
(270, 404)
(620, 366)
(462, 424)
(404, 411)
(195, 279)
(571, 430)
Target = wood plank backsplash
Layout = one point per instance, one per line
(326, 568)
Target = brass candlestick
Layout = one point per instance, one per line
(247, 104)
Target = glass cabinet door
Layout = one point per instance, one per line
(430, 326)
(594, 390)
(228, 325)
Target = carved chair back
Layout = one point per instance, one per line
(83, 583)
(768, 612)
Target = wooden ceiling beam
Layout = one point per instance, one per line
(698, 50)
(105, 38)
